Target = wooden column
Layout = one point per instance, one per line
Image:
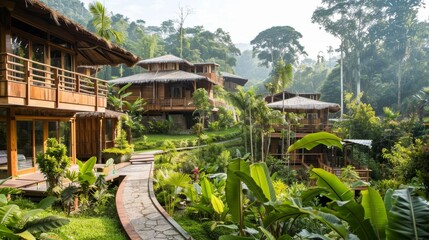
(11, 144)
(73, 140)
(96, 95)
(99, 139)
(57, 88)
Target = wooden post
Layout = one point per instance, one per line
(96, 95)
(11, 144)
(100, 139)
(57, 88)
(77, 79)
(73, 140)
(27, 78)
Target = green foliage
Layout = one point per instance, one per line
(408, 216)
(102, 23)
(118, 151)
(17, 223)
(203, 107)
(312, 140)
(277, 43)
(375, 211)
(52, 164)
(160, 126)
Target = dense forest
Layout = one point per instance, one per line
(384, 48)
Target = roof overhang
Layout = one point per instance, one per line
(91, 49)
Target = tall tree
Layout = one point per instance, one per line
(183, 14)
(277, 43)
(349, 21)
(396, 30)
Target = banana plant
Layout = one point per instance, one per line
(19, 224)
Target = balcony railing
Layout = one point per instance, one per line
(176, 104)
(165, 104)
(30, 83)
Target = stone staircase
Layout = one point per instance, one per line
(142, 158)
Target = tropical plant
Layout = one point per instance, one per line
(202, 105)
(19, 224)
(103, 24)
(169, 185)
(52, 164)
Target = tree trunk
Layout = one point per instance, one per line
(251, 133)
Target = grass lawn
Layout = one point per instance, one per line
(83, 227)
(87, 227)
(154, 141)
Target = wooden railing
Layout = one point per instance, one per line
(364, 174)
(27, 82)
(165, 104)
(306, 128)
(169, 104)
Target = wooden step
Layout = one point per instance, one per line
(142, 157)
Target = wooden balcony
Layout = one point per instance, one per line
(24, 82)
(169, 104)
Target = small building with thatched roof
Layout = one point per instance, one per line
(312, 117)
(168, 85)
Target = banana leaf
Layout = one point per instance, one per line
(233, 189)
(260, 174)
(409, 216)
(337, 190)
(375, 211)
(312, 140)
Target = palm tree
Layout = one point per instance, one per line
(103, 24)
(282, 77)
(243, 101)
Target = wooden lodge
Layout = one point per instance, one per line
(313, 117)
(168, 84)
(41, 86)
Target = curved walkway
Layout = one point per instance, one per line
(140, 213)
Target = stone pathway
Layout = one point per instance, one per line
(138, 212)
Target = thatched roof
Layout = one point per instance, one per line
(107, 114)
(228, 77)
(160, 76)
(279, 96)
(91, 49)
(163, 59)
(302, 103)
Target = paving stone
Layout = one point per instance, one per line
(143, 216)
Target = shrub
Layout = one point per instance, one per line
(160, 126)
(214, 126)
(52, 164)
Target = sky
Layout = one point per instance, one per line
(242, 19)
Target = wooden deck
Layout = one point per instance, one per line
(34, 184)
(24, 82)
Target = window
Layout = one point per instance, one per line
(20, 46)
(109, 129)
(24, 139)
(176, 92)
